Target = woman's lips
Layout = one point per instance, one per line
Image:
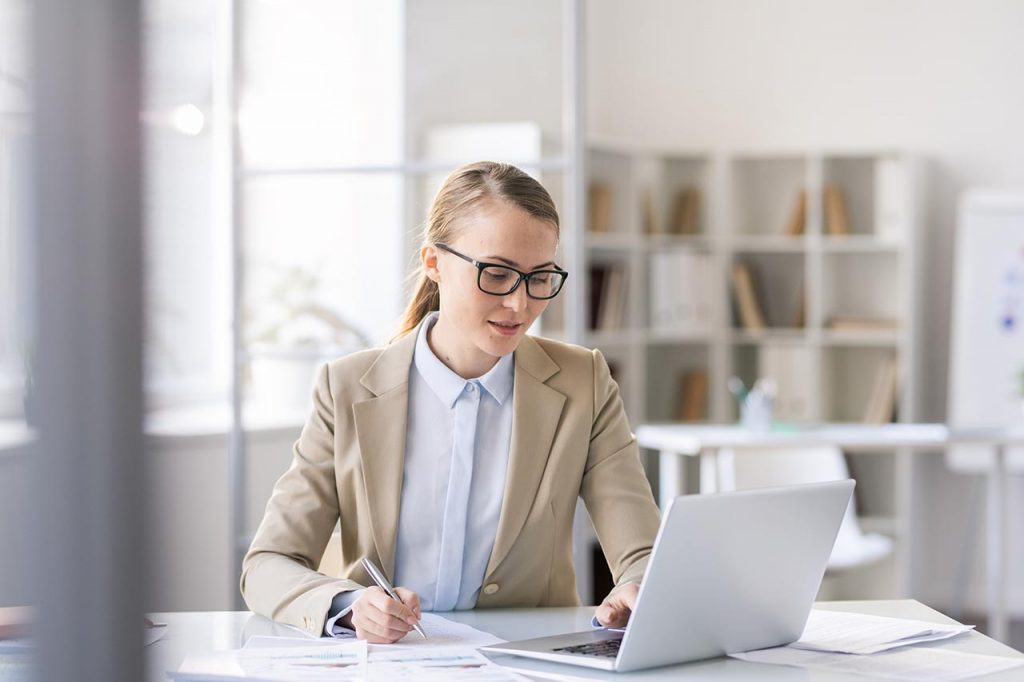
(506, 328)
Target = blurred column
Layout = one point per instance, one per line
(89, 559)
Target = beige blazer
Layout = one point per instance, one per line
(570, 439)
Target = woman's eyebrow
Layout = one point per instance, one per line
(517, 265)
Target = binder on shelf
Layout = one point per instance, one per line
(596, 275)
(599, 207)
(649, 215)
(891, 188)
(749, 308)
(680, 300)
(613, 301)
(836, 221)
(693, 396)
(793, 370)
(798, 218)
(607, 296)
(800, 317)
(881, 406)
(686, 212)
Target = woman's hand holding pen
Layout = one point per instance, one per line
(615, 609)
(379, 619)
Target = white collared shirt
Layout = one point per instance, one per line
(448, 415)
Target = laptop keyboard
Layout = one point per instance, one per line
(608, 648)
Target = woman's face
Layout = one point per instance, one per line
(476, 328)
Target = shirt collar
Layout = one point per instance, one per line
(446, 384)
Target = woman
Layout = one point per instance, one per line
(454, 456)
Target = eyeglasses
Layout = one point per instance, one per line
(502, 280)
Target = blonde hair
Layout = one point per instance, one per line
(461, 191)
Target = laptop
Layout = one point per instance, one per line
(729, 572)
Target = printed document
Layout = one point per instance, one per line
(858, 633)
(345, 661)
(927, 664)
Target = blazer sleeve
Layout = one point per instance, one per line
(614, 487)
(279, 578)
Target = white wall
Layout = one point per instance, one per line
(942, 78)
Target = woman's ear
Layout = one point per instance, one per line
(428, 257)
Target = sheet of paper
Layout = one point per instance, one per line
(345, 661)
(15, 646)
(17, 667)
(443, 632)
(446, 663)
(858, 633)
(921, 663)
(153, 633)
(278, 642)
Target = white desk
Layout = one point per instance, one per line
(200, 633)
(709, 441)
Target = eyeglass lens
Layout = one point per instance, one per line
(496, 279)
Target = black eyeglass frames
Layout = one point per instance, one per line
(502, 280)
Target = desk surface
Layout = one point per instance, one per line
(690, 439)
(199, 633)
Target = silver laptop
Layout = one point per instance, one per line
(729, 572)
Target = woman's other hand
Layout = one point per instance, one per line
(615, 609)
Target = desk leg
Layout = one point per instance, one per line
(671, 477)
(997, 624)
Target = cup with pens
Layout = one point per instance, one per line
(756, 403)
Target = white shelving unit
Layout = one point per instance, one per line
(746, 203)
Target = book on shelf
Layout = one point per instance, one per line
(599, 207)
(612, 311)
(798, 217)
(693, 396)
(891, 190)
(836, 220)
(686, 212)
(863, 323)
(744, 290)
(607, 296)
(681, 292)
(596, 276)
(800, 317)
(881, 405)
(792, 368)
(649, 216)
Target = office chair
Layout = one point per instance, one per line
(763, 468)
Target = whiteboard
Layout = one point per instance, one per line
(987, 353)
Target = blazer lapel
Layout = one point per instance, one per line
(536, 411)
(380, 429)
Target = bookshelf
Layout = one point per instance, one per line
(834, 275)
(837, 298)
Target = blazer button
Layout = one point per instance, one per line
(491, 588)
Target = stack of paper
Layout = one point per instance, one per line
(345, 661)
(859, 633)
(447, 654)
(924, 664)
(863, 644)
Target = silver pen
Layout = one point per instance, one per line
(384, 584)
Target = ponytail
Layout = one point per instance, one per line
(425, 300)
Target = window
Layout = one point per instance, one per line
(14, 175)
